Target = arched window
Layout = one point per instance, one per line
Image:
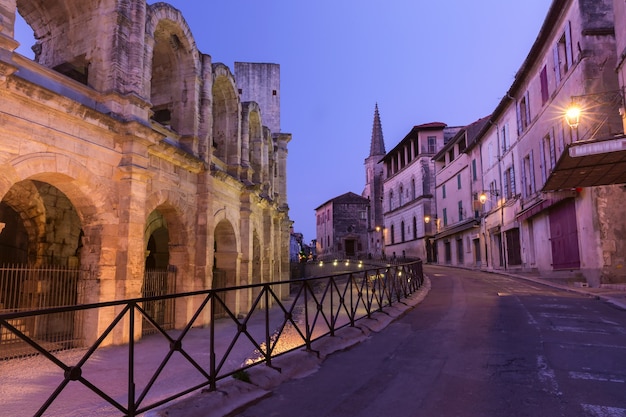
(414, 227)
(402, 231)
(392, 233)
(401, 197)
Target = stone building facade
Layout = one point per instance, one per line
(552, 186)
(457, 218)
(341, 228)
(125, 148)
(409, 191)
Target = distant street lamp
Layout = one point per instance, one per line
(482, 197)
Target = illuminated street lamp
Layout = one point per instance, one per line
(482, 197)
(596, 105)
(572, 115)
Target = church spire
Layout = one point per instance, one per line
(377, 147)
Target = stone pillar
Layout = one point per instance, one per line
(7, 17)
(7, 43)
(129, 242)
(282, 140)
(246, 237)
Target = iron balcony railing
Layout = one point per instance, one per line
(147, 372)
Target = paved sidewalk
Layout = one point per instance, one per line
(233, 394)
(614, 294)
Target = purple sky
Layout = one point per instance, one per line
(421, 61)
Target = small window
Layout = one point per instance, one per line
(474, 173)
(274, 92)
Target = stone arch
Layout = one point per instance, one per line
(171, 207)
(22, 213)
(90, 196)
(59, 27)
(226, 264)
(252, 139)
(226, 113)
(156, 239)
(174, 70)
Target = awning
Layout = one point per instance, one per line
(533, 210)
(539, 206)
(468, 224)
(590, 163)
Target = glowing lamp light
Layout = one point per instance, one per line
(427, 219)
(482, 198)
(572, 115)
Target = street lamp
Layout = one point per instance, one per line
(482, 197)
(572, 115)
(588, 104)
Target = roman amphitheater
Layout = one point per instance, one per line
(131, 164)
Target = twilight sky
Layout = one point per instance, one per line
(421, 60)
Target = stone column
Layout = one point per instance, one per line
(282, 140)
(129, 241)
(7, 17)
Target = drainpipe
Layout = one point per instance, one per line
(482, 184)
(501, 191)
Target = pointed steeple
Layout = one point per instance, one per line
(377, 147)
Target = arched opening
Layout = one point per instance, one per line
(256, 147)
(257, 272)
(225, 119)
(25, 36)
(225, 264)
(159, 275)
(40, 244)
(58, 29)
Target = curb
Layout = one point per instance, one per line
(234, 395)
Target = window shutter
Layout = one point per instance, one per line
(532, 173)
(520, 128)
(528, 118)
(552, 150)
(545, 95)
(512, 179)
(542, 162)
(524, 188)
(557, 68)
(568, 45)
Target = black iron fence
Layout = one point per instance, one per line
(148, 371)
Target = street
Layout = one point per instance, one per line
(480, 344)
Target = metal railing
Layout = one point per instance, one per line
(203, 350)
(26, 288)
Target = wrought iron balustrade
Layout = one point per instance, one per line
(149, 371)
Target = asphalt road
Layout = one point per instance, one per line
(479, 345)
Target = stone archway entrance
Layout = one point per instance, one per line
(40, 246)
(225, 265)
(159, 276)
